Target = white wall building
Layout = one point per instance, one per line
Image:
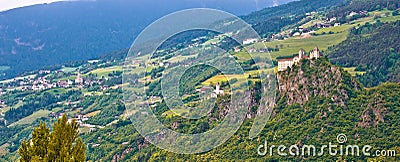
(250, 41)
(286, 63)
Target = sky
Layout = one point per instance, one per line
(11, 4)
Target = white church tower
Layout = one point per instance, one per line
(315, 53)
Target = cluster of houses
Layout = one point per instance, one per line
(306, 32)
(80, 119)
(328, 23)
(42, 83)
(2, 105)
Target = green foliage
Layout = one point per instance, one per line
(272, 20)
(33, 104)
(195, 76)
(395, 13)
(314, 123)
(374, 48)
(62, 144)
(360, 5)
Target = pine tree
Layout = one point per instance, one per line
(63, 144)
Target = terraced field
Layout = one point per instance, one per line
(104, 71)
(292, 45)
(31, 118)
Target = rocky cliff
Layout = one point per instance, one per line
(316, 78)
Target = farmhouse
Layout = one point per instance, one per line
(250, 41)
(215, 93)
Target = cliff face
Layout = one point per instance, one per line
(316, 78)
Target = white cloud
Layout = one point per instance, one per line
(11, 4)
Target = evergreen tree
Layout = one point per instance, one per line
(63, 144)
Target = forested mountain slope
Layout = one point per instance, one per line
(374, 48)
(366, 117)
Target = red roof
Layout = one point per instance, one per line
(285, 59)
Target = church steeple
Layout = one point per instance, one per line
(79, 79)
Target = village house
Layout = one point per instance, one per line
(236, 49)
(215, 93)
(323, 25)
(352, 14)
(44, 72)
(64, 83)
(250, 41)
(285, 63)
(333, 19)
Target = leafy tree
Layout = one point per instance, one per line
(63, 144)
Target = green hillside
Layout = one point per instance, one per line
(371, 48)
(353, 89)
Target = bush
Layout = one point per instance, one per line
(395, 13)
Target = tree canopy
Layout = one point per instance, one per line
(62, 144)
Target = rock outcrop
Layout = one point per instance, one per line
(316, 78)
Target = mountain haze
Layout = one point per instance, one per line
(44, 35)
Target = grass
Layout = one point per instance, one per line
(175, 112)
(178, 58)
(353, 72)
(68, 69)
(31, 118)
(104, 71)
(390, 18)
(14, 106)
(94, 113)
(67, 78)
(311, 23)
(56, 91)
(292, 45)
(18, 78)
(240, 77)
(84, 130)
(335, 29)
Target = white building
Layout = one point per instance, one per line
(217, 91)
(250, 41)
(315, 53)
(286, 63)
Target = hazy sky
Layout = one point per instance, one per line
(10, 4)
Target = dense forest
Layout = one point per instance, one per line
(373, 48)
